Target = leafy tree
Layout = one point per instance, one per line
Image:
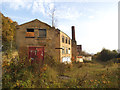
(106, 55)
(8, 32)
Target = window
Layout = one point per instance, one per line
(63, 51)
(30, 33)
(30, 30)
(69, 40)
(42, 32)
(69, 51)
(66, 51)
(66, 39)
(63, 39)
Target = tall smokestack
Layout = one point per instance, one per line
(73, 33)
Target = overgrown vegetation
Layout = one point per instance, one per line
(106, 55)
(18, 72)
(8, 33)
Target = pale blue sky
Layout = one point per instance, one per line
(96, 23)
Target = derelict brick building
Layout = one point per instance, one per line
(38, 39)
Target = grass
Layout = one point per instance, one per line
(81, 75)
(97, 75)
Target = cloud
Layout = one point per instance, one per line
(68, 13)
(91, 17)
(51, 5)
(38, 7)
(18, 4)
(44, 7)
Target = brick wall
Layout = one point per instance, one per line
(50, 42)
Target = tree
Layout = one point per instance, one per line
(106, 55)
(8, 32)
(51, 12)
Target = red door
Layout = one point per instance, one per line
(36, 54)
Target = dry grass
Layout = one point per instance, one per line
(95, 75)
(81, 75)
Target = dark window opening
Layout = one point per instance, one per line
(63, 50)
(63, 39)
(69, 41)
(66, 39)
(30, 30)
(42, 32)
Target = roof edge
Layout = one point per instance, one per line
(34, 20)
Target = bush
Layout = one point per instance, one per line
(106, 55)
(18, 74)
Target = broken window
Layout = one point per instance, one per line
(63, 39)
(30, 33)
(66, 39)
(42, 33)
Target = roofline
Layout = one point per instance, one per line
(43, 23)
(65, 34)
(32, 21)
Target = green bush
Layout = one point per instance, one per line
(106, 55)
(18, 74)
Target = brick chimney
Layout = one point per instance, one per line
(73, 33)
(74, 44)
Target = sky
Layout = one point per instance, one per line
(96, 22)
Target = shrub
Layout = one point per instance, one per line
(18, 74)
(106, 55)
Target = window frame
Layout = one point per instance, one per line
(45, 33)
(66, 50)
(63, 50)
(63, 39)
(69, 40)
(30, 28)
(66, 41)
(30, 36)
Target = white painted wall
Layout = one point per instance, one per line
(66, 60)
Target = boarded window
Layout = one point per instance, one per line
(30, 33)
(63, 39)
(42, 33)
